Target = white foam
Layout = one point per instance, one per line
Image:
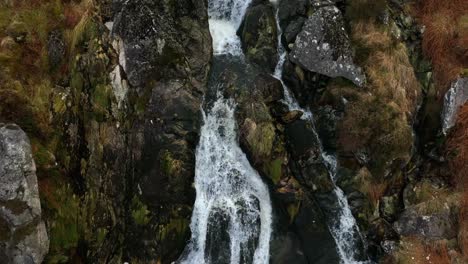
(226, 182)
(225, 17)
(225, 40)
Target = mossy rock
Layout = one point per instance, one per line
(259, 138)
(140, 212)
(274, 170)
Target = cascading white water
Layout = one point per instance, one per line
(232, 215)
(343, 227)
(289, 99)
(226, 184)
(225, 17)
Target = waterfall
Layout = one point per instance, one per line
(232, 215)
(225, 17)
(343, 226)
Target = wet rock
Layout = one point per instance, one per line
(23, 237)
(287, 249)
(303, 84)
(314, 234)
(258, 34)
(267, 88)
(327, 119)
(323, 46)
(292, 15)
(165, 53)
(291, 116)
(55, 48)
(455, 97)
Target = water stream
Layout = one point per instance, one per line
(232, 216)
(342, 224)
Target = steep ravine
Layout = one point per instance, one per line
(233, 131)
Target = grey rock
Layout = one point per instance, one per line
(440, 225)
(455, 97)
(389, 206)
(323, 46)
(314, 235)
(287, 249)
(162, 40)
(389, 246)
(23, 237)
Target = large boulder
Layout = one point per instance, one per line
(440, 224)
(323, 46)
(258, 34)
(23, 235)
(455, 97)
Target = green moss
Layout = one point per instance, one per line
(293, 209)
(169, 164)
(65, 227)
(140, 212)
(261, 139)
(274, 170)
(5, 16)
(42, 156)
(464, 72)
(174, 230)
(101, 101)
(58, 103)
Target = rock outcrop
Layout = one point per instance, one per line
(323, 46)
(23, 235)
(166, 58)
(455, 97)
(259, 34)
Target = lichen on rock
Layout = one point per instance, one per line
(24, 237)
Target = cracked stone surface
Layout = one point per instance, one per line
(323, 47)
(455, 97)
(23, 235)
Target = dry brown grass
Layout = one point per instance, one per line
(463, 226)
(379, 119)
(413, 251)
(457, 152)
(445, 39)
(372, 188)
(437, 253)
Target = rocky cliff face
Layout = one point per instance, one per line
(23, 233)
(109, 94)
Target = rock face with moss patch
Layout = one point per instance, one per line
(323, 46)
(165, 52)
(23, 236)
(258, 34)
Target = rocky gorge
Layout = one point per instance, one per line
(233, 131)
